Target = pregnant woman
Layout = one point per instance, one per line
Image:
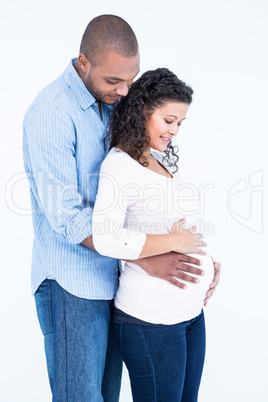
(159, 327)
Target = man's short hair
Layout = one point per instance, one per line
(107, 33)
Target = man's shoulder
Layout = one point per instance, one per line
(51, 94)
(60, 93)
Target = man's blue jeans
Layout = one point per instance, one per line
(165, 363)
(83, 361)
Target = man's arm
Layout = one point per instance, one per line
(173, 265)
(166, 266)
(88, 242)
(51, 146)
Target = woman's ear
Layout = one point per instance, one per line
(146, 112)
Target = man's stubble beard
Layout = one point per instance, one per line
(93, 90)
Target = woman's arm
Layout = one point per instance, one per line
(180, 240)
(185, 242)
(109, 235)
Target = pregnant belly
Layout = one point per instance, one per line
(158, 301)
(208, 267)
(138, 275)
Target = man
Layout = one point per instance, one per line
(64, 136)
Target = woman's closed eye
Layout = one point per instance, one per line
(170, 122)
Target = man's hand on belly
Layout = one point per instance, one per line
(170, 266)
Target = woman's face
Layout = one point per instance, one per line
(164, 123)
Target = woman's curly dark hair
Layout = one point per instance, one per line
(127, 126)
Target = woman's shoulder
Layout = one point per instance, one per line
(115, 153)
(118, 157)
(117, 162)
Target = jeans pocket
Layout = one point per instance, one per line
(43, 307)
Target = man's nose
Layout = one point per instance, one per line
(122, 89)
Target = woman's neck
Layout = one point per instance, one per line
(147, 153)
(155, 165)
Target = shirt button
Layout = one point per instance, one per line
(125, 244)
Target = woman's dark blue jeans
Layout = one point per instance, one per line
(165, 363)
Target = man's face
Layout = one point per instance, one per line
(110, 80)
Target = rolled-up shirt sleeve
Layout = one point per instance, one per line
(51, 141)
(110, 236)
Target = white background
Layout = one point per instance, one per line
(220, 48)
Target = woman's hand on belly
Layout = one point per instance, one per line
(214, 284)
(186, 240)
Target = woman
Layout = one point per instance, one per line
(159, 328)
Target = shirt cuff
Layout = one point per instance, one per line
(127, 247)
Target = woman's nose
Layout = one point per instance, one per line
(174, 130)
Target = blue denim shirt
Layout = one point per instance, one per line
(63, 150)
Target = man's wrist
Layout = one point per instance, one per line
(88, 242)
(142, 262)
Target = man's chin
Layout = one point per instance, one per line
(110, 100)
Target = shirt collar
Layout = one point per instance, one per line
(84, 97)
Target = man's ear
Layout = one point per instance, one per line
(84, 63)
